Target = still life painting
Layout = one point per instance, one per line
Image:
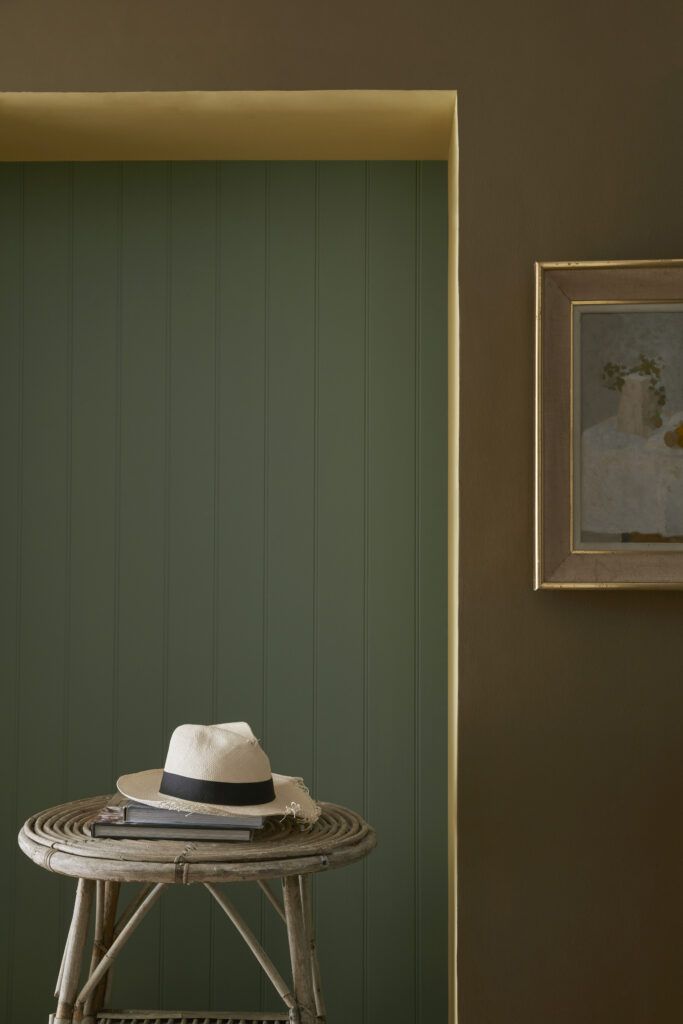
(628, 417)
(609, 411)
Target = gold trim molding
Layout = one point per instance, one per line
(327, 125)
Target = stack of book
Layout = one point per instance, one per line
(131, 820)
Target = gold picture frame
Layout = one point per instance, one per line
(609, 404)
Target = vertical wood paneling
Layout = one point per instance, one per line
(43, 686)
(290, 299)
(224, 464)
(141, 732)
(241, 368)
(340, 556)
(391, 591)
(11, 359)
(288, 732)
(189, 681)
(94, 431)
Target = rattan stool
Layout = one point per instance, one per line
(58, 840)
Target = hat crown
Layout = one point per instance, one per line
(217, 753)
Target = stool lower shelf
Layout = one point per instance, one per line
(188, 1017)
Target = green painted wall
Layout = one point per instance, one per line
(223, 444)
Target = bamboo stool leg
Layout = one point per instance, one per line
(105, 919)
(111, 902)
(98, 935)
(69, 939)
(299, 950)
(111, 929)
(119, 942)
(305, 889)
(74, 955)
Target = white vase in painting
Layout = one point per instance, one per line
(637, 406)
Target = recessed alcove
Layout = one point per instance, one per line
(155, 463)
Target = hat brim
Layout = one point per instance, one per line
(291, 798)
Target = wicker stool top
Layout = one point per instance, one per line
(58, 840)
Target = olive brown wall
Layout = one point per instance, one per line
(571, 752)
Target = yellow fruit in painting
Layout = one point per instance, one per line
(679, 435)
(670, 439)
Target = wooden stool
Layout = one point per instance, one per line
(58, 840)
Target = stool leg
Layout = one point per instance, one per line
(299, 950)
(305, 888)
(111, 903)
(73, 959)
(97, 950)
(105, 919)
(119, 942)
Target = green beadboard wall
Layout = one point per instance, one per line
(223, 445)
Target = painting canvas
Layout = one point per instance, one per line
(627, 398)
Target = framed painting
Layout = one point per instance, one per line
(609, 425)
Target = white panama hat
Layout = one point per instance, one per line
(219, 769)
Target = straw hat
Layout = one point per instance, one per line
(219, 769)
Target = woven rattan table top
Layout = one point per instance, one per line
(58, 839)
